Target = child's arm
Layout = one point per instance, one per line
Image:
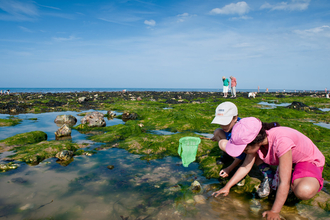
(238, 176)
(285, 169)
(218, 134)
(225, 172)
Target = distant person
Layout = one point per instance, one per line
(325, 90)
(258, 89)
(299, 162)
(8, 92)
(327, 95)
(267, 90)
(225, 86)
(233, 86)
(1, 92)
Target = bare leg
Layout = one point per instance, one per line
(305, 188)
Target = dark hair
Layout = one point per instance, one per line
(262, 133)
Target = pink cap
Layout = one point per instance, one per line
(243, 133)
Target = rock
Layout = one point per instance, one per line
(82, 99)
(255, 206)
(63, 131)
(110, 167)
(65, 119)
(190, 201)
(64, 155)
(94, 119)
(19, 180)
(111, 114)
(27, 206)
(200, 199)
(174, 188)
(195, 186)
(301, 106)
(129, 116)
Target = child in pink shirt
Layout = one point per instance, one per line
(282, 146)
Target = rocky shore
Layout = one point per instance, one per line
(179, 113)
(17, 103)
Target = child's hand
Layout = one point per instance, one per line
(269, 215)
(213, 138)
(224, 173)
(221, 191)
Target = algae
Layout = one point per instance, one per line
(37, 152)
(11, 121)
(25, 138)
(183, 112)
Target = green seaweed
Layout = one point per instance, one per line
(25, 138)
(36, 153)
(11, 121)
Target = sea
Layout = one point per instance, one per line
(67, 90)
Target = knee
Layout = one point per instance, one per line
(222, 144)
(304, 190)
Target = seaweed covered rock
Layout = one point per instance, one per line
(129, 116)
(23, 139)
(302, 106)
(111, 114)
(63, 131)
(35, 153)
(11, 121)
(82, 99)
(94, 119)
(65, 119)
(8, 166)
(64, 155)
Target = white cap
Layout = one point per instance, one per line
(225, 113)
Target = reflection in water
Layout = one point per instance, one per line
(162, 132)
(46, 124)
(324, 125)
(114, 184)
(273, 105)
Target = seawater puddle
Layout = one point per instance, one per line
(162, 132)
(322, 124)
(207, 135)
(133, 189)
(325, 109)
(273, 105)
(45, 122)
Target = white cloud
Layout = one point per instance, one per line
(25, 29)
(238, 8)
(318, 31)
(45, 6)
(150, 22)
(242, 45)
(294, 5)
(244, 17)
(183, 15)
(61, 39)
(18, 11)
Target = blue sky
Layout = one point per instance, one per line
(165, 44)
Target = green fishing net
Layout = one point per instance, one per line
(188, 149)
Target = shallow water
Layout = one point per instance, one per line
(273, 105)
(322, 124)
(45, 123)
(133, 189)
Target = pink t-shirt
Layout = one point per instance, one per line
(282, 139)
(233, 82)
